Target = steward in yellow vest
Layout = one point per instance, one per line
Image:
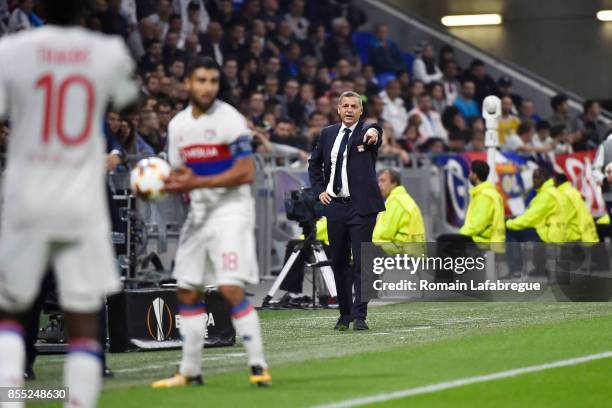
(547, 213)
(484, 220)
(544, 220)
(401, 222)
(581, 227)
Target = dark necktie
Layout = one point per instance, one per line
(339, 160)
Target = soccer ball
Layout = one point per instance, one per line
(147, 178)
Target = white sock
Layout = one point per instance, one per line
(83, 373)
(246, 323)
(12, 357)
(192, 331)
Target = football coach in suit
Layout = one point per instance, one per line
(343, 175)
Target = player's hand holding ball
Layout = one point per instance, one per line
(148, 177)
(182, 180)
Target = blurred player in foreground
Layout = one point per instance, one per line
(209, 146)
(55, 85)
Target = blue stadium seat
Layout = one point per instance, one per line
(384, 77)
(408, 60)
(362, 40)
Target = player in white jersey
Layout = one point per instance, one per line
(55, 85)
(209, 146)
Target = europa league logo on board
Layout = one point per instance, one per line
(159, 320)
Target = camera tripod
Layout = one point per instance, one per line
(314, 247)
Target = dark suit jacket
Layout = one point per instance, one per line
(360, 168)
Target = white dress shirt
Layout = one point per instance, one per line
(334, 155)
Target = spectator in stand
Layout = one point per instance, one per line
(375, 108)
(521, 140)
(389, 145)
(542, 140)
(257, 108)
(289, 67)
(21, 16)
(151, 87)
(591, 130)
(192, 47)
(272, 66)
(465, 102)
(269, 14)
(161, 16)
(270, 90)
(235, 44)
(384, 54)
(452, 119)
(223, 12)
(508, 122)
(307, 101)
(361, 87)
(451, 85)
(284, 36)
(316, 122)
(134, 146)
(424, 67)
(290, 101)
(413, 138)
(308, 70)
(194, 16)
(170, 51)
(563, 141)
(485, 85)
(394, 112)
(504, 88)
(415, 89)
(445, 56)
(249, 11)
(250, 78)
(342, 69)
(148, 130)
(339, 44)
(295, 18)
(457, 140)
(152, 57)
(163, 109)
(212, 42)
(286, 134)
(176, 70)
(561, 114)
(527, 111)
(323, 105)
(230, 71)
(315, 43)
(438, 98)
(431, 122)
(477, 137)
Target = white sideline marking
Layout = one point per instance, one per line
(409, 392)
(156, 366)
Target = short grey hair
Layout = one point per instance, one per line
(350, 94)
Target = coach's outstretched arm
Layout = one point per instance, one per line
(183, 179)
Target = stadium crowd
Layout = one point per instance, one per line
(285, 63)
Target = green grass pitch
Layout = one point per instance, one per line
(409, 345)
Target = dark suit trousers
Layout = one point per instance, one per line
(347, 230)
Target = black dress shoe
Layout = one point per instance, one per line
(360, 324)
(343, 323)
(29, 374)
(107, 372)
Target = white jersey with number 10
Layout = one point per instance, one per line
(55, 86)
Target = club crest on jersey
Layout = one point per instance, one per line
(210, 134)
